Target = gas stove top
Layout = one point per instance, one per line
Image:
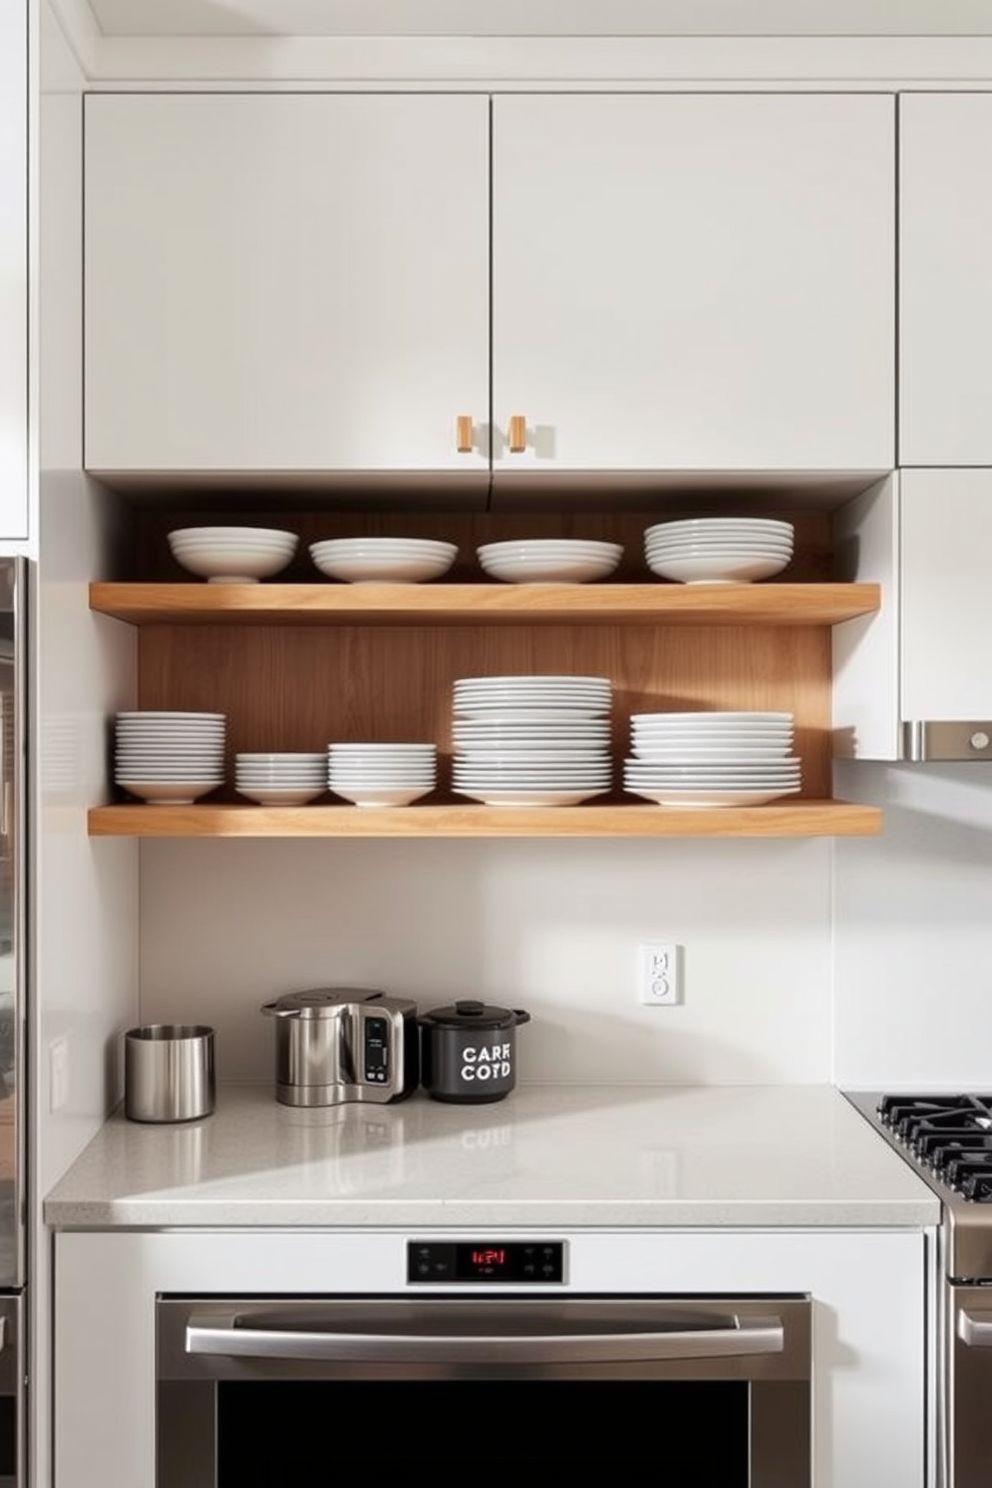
(947, 1138)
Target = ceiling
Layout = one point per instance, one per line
(468, 18)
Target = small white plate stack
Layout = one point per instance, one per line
(548, 560)
(719, 550)
(532, 740)
(281, 779)
(169, 759)
(381, 774)
(712, 759)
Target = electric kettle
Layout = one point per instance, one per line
(336, 1044)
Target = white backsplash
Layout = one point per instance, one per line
(549, 926)
(913, 1001)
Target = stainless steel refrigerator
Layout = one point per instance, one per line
(15, 574)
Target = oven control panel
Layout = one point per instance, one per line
(541, 1261)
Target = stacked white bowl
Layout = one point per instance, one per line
(548, 560)
(391, 560)
(233, 555)
(532, 740)
(719, 550)
(281, 778)
(169, 759)
(712, 759)
(381, 774)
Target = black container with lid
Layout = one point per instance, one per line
(468, 1051)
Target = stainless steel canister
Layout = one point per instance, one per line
(169, 1072)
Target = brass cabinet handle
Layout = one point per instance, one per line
(463, 433)
(517, 437)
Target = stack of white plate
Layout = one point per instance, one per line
(532, 740)
(233, 555)
(712, 759)
(281, 779)
(547, 560)
(381, 774)
(170, 759)
(390, 560)
(719, 550)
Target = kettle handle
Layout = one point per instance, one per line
(522, 1016)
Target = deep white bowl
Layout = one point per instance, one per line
(743, 569)
(233, 555)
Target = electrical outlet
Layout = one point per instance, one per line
(660, 983)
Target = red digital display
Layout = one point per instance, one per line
(489, 1258)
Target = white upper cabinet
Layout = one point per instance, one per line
(286, 282)
(691, 282)
(945, 286)
(302, 283)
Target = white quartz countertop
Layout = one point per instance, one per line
(563, 1156)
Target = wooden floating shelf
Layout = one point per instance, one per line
(802, 818)
(485, 604)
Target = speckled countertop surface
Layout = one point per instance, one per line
(794, 1155)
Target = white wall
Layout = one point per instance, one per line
(549, 926)
(913, 999)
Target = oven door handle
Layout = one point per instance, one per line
(231, 1336)
(975, 1328)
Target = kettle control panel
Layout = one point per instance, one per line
(376, 1051)
(515, 1261)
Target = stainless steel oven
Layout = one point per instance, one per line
(259, 1391)
(948, 1139)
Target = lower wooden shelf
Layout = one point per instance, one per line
(802, 818)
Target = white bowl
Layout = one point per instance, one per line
(169, 793)
(232, 557)
(549, 561)
(374, 561)
(271, 795)
(380, 795)
(740, 570)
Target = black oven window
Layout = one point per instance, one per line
(479, 1432)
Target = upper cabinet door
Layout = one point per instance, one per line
(691, 282)
(945, 285)
(286, 282)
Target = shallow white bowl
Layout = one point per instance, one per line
(373, 561)
(169, 793)
(496, 796)
(381, 795)
(549, 560)
(272, 795)
(741, 570)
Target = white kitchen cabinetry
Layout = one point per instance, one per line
(300, 284)
(694, 281)
(869, 1290)
(945, 290)
(285, 282)
(926, 537)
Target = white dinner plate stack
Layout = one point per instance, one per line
(719, 550)
(712, 759)
(281, 778)
(381, 774)
(169, 759)
(532, 740)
